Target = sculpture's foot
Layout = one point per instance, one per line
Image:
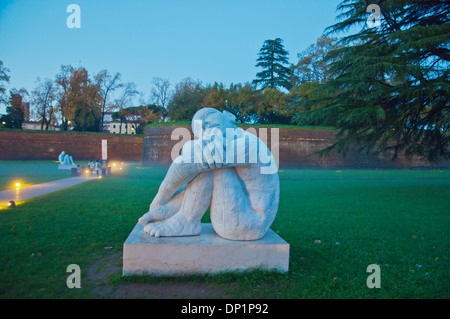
(177, 225)
(155, 215)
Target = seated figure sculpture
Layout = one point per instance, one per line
(65, 160)
(226, 169)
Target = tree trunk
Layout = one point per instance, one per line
(43, 120)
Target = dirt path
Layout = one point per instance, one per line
(99, 272)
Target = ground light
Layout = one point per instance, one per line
(11, 204)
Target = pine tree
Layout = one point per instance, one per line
(390, 85)
(273, 58)
(15, 114)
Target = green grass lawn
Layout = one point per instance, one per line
(397, 219)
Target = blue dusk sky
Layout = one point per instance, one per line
(207, 40)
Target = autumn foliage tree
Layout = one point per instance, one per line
(312, 65)
(62, 83)
(312, 70)
(84, 98)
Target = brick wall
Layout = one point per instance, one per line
(296, 150)
(36, 145)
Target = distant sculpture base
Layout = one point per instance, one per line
(205, 253)
(66, 166)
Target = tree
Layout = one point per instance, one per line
(43, 97)
(14, 111)
(391, 90)
(128, 92)
(217, 97)
(159, 114)
(311, 70)
(4, 78)
(249, 105)
(84, 98)
(187, 100)
(273, 107)
(139, 115)
(273, 59)
(108, 84)
(305, 97)
(80, 99)
(245, 99)
(312, 66)
(160, 92)
(63, 105)
(238, 99)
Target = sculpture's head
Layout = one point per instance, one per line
(208, 118)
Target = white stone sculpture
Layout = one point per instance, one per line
(65, 161)
(226, 169)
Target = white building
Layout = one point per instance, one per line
(30, 125)
(127, 128)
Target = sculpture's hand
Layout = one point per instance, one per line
(213, 152)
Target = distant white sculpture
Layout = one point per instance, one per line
(65, 161)
(226, 169)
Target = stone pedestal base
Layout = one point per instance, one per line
(206, 253)
(67, 167)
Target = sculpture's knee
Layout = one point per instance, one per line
(232, 214)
